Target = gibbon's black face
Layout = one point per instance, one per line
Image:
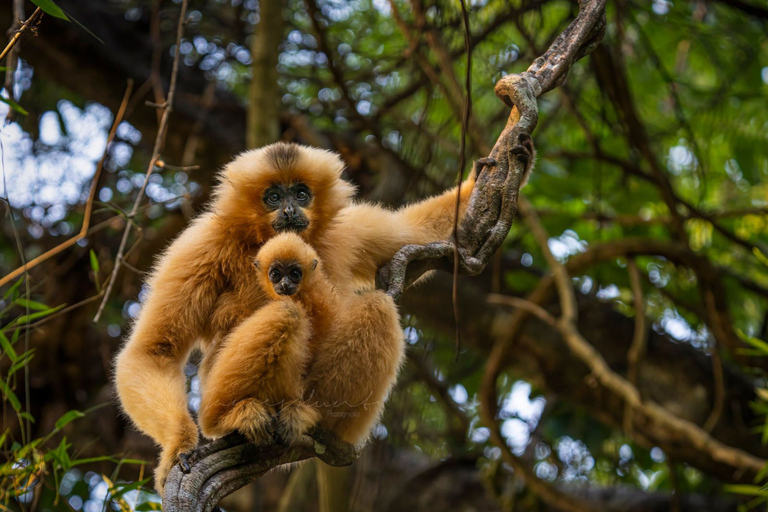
(286, 277)
(288, 202)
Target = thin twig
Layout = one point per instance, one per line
(159, 145)
(637, 349)
(719, 385)
(27, 25)
(603, 373)
(459, 172)
(20, 250)
(88, 205)
(13, 55)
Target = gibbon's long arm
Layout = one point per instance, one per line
(366, 236)
(149, 373)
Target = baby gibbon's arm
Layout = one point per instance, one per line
(149, 373)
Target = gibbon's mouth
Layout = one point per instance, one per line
(296, 227)
(286, 290)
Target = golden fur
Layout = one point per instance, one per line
(258, 377)
(205, 294)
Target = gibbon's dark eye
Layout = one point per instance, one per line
(295, 274)
(302, 195)
(273, 198)
(275, 274)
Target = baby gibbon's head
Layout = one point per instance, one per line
(282, 188)
(286, 264)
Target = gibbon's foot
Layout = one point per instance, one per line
(168, 459)
(252, 419)
(274, 431)
(295, 420)
(184, 463)
(525, 150)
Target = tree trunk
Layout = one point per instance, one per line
(264, 92)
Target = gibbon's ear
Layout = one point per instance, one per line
(314, 264)
(257, 264)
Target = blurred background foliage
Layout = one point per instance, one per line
(654, 151)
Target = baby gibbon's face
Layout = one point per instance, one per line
(285, 265)
(285, 276)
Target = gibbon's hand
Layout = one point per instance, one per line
(481, 164)
(526, 153)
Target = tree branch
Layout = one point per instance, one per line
(158, 148)
(493, 203)
(221, 467)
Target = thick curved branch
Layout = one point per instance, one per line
(493, 204)
(221, 467)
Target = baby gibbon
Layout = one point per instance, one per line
(241, 391)
(257, 387)
(204, 294)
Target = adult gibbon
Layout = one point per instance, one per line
(203, 292)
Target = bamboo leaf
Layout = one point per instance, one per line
(37, 306)
(68, 417)
(14, 106)
(5, 343)
(10, 396)
(25, 319)
(49, 7)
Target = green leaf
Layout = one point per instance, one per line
(51, 8)
(23, 361)
(25, 415)
(90, 460)
(149, 505)
(14, 106)
(95, 268)
(61, 455)
(10, 396)
(13, 288)
(121, 489)
(37, 306)
(747, 490)
(25, 319)
(134, 461)
(68, 418)
(94, 262)
(5, 344)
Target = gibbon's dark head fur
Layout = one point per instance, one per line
(286, 265)
(280, 188)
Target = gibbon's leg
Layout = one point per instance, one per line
(355, 368)
(149, 377)
(144, 379)
(255, 372)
